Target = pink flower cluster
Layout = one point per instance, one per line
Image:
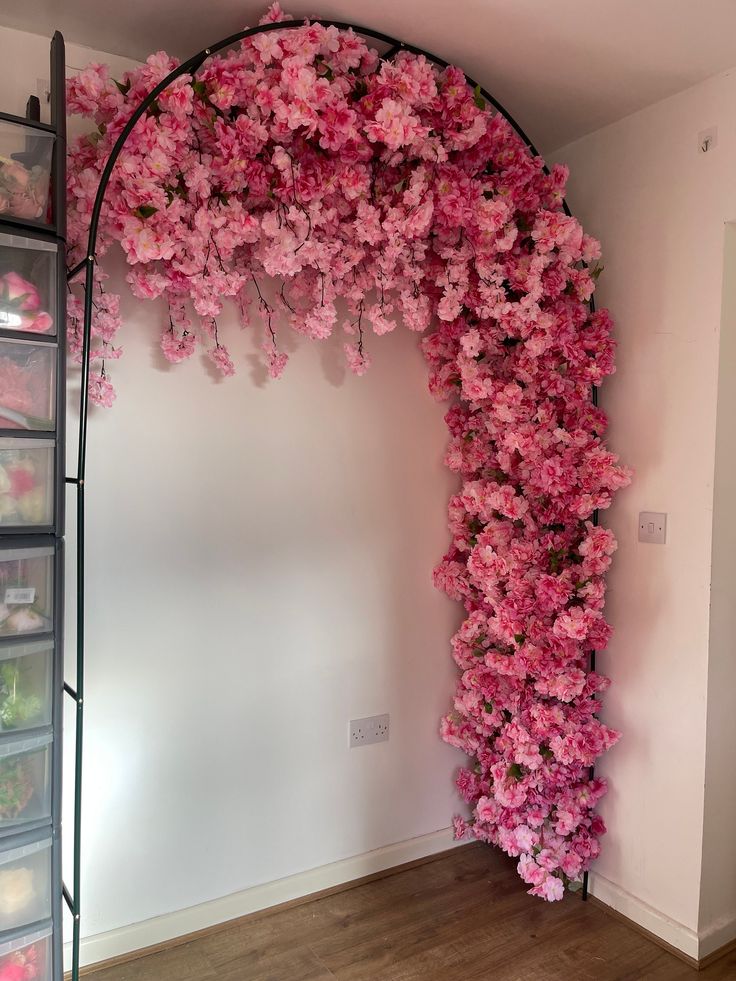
(376, 192)
(21, 305)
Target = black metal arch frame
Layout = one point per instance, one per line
(189, 67)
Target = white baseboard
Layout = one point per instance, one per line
(159, 929)
(667, 929)
(717, 935)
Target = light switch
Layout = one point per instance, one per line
(653, 527)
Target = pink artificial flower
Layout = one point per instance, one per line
(460, 828)
(530, 872)
(358, 361)
(395, 125)
(19, 388)
(550, 888)
(487, 809)
(574, 623)
(101, 391)
(20, 305)
(275, 361)
(222, 360)
(176, 349)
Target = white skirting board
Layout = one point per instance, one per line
(674, 933)
(717, 935)
(159, 929)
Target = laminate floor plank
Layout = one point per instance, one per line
(463, 917)
(358, 916)
(723, 969)
(389, 947)
(298, 964)
(184, 963)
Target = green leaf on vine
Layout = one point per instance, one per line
(515, 772)
(478, 98)
(145, 211)
(361, 89)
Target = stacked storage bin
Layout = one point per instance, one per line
(32, 417)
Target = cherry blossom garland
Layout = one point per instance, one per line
(391, 189)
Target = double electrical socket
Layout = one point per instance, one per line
(374, 729)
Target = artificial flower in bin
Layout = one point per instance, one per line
(24, 190)
(22, 492)
(23, 394)
(16, 788)
(20, 305)
(19, 704)
(22, 965)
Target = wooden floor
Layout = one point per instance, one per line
(464, 917)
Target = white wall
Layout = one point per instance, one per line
(260, 573)
(658, 204)
(718, 886)
(259, 570)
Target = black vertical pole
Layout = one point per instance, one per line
(591, 772)
(57, 85)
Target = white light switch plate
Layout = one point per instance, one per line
(653, 527)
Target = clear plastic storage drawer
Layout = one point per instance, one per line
(28, 275)
(27, 956)
(25, 881)
(26, 591)
(27, 385)
(26, 482)
(25, 170)
(25, 686)
(25, 781)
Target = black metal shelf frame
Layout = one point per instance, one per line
(87, 265)
(49, 538)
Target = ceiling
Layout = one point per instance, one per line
(563, 68)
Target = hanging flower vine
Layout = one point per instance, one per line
(377, 193)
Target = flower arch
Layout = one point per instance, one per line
(379, 189)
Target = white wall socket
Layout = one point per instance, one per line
(371, 730)
(653, 527)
